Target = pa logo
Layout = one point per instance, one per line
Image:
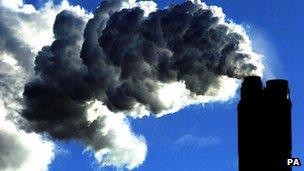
(293, 162)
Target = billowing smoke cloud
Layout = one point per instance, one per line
(139, 53)
(132, 57)
(129, 59)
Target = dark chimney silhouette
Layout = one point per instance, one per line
(264, 125)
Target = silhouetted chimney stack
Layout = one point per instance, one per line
(264, 125)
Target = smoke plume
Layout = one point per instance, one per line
(128, 60)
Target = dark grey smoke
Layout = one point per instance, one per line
(56, 100)
(121, 62)
(182, 43)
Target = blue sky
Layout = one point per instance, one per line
(209, 132)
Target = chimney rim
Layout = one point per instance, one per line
(277, 82)
(252, 78)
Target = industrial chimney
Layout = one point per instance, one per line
(264, 125)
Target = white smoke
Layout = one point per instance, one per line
(124, 149)
(28, 30)
(20, 150)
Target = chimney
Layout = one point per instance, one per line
(264, 125)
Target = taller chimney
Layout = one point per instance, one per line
(264, 125)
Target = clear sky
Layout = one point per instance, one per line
(205, 137)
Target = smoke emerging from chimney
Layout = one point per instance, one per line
(129, 60)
